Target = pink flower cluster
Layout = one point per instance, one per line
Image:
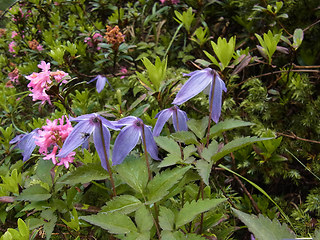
(12, 44)
(40, 82)
(94, 40)
(52, 138)
(170, 1)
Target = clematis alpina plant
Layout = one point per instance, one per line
(128, 138)
(100, 82)
(26, 143)
(197, 82)
(179, 120)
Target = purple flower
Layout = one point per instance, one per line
(88, 124)
(26, 143)
(101, 82)
(197, 82)
(129, 137)
(164, 115)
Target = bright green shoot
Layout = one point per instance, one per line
(224, 51)
(156, 73)
(268, 44)
(186, 18)
(200, 36)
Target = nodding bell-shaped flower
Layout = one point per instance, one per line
(197, 82)
(129, 136)
(101, 82)
(179, 120)
(26, 143)
(90, 124)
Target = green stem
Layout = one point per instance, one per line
(107, 160)
(173, 38)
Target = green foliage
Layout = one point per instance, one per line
(268, 44)
(186, 18)
(263, 228)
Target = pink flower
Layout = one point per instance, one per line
(14, 75)
(13, 34)
(11, 47)
(40, 82)
(123, 70)
(40, 48)
(52, 136)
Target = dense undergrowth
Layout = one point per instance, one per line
(125, 61)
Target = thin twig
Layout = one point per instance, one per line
(293, 136)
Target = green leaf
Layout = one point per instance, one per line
(204, 170)
(212, 58)
(48, 227)
(34, 193)
(191, 210)
(116, 223)
(85, 174)
(263, 228)
(134, 172)
(169, 160)
(235, 145)
(43, 171)
(198, 126)
(168, 144)
(212, 149)
(226, 125)
(144, 219)
(160, 185)
(123, 204)
(23, 229)
(166, 218)
(185, 137)
(297, 38)
(316, 235)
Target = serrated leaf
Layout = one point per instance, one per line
(226, 125)
(34, 193)
(134, 172)
(263, 228)
(235, 145)
(212, 149)
(123, 204)
(144, 219)
(191, 210)
(198, 126)
(48, 227)
(116, 223)
(188, 150)
(185, 137)
(43, 171)
(166, 218)
(160, 185)
(84, 174)
(204, 170)
(168, 144)
(169, 160)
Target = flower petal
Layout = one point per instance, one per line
(102, 148)
(27, 144)
(125, 142)
(196, 83)
(219, 86)
(101, 82)
(77, 137)
(109, 124)
(83, 117)
(152, 148)
(126, 121)
(163, 116)
(182, 120)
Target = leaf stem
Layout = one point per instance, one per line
(107, 161)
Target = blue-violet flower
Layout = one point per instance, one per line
(88, 124)
(129, 137)
(179, 119)
(26, 143)
(101, 82)
(197, 82)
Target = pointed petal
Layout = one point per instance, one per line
(83, 117)
(27, 144)
(102, 148)
(109, 124)
(163, 117)
(152, 148)
(101, 82)
(196, 83)
(125, 142)
(126, 121)
(217, 98)
(182, 120)
(77, 137)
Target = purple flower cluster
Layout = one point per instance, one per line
(132, 129)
